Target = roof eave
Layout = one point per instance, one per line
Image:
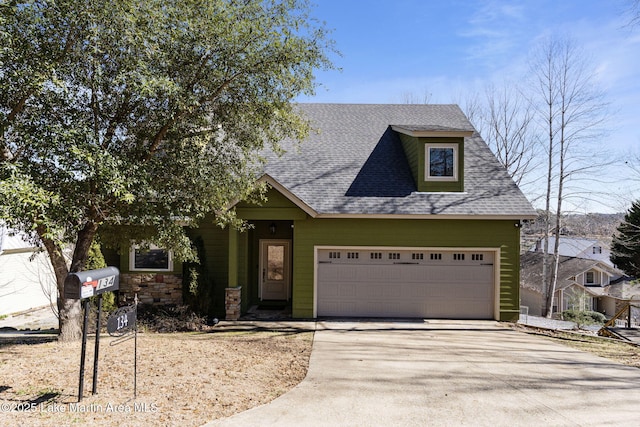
(266, 178)
(424, 216)
(432, 133)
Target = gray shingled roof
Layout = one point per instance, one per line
(531, 271)
(355, 165)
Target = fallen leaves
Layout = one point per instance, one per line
(184, 379)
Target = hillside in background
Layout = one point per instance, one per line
(590, 226)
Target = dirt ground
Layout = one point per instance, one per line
(183, 379)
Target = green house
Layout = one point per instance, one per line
(395, 211)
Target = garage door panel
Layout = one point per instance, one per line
(359, 288)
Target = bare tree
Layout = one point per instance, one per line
(634, 13)
(572, 111)
(413, 98)
(507, 127)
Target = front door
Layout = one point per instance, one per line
(275, 269)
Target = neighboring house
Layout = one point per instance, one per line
(385, 211)
(582, 284)
(578, 248)
(26, 276)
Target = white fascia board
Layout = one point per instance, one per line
(288, 194)
(432, 133)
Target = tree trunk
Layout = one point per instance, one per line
(69, 310)
(69, 318)
(546, 285)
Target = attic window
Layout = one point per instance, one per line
(597, 249)
(442, 162)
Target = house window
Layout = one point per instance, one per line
(442, 162)
(597, 250)
(590, 278)
(150, 258)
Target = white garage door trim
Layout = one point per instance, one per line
(496, 265)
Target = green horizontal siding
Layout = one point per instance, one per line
(216, 249)
(405, 233)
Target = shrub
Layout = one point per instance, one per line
(584, 317)
(168, 318)
(197, 287)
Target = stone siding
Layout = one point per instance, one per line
(232, 303)
(152, 288)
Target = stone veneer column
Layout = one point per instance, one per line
(232, 303)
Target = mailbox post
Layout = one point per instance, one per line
(83, 285)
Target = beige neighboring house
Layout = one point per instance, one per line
(26, 276)
(586, 284)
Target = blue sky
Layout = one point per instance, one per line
(447, 49)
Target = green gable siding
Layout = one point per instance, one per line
(276, 207)
(406, 233)
(410, 146)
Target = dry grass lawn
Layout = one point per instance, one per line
(184, 379)
(616, 350)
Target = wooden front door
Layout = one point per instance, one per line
(275, 269)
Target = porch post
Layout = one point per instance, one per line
(233, 291)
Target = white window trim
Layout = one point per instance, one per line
(586, 277)
(132, 259)
(427, 171)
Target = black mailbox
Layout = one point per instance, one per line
(85, 284)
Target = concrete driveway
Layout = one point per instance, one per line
(449, 373)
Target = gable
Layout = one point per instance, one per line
(276, 206)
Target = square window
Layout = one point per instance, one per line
(152, 258)
(590, 279)
(442, 162)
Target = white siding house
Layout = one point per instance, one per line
(26, 276)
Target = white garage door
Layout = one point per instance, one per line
(406, 283)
